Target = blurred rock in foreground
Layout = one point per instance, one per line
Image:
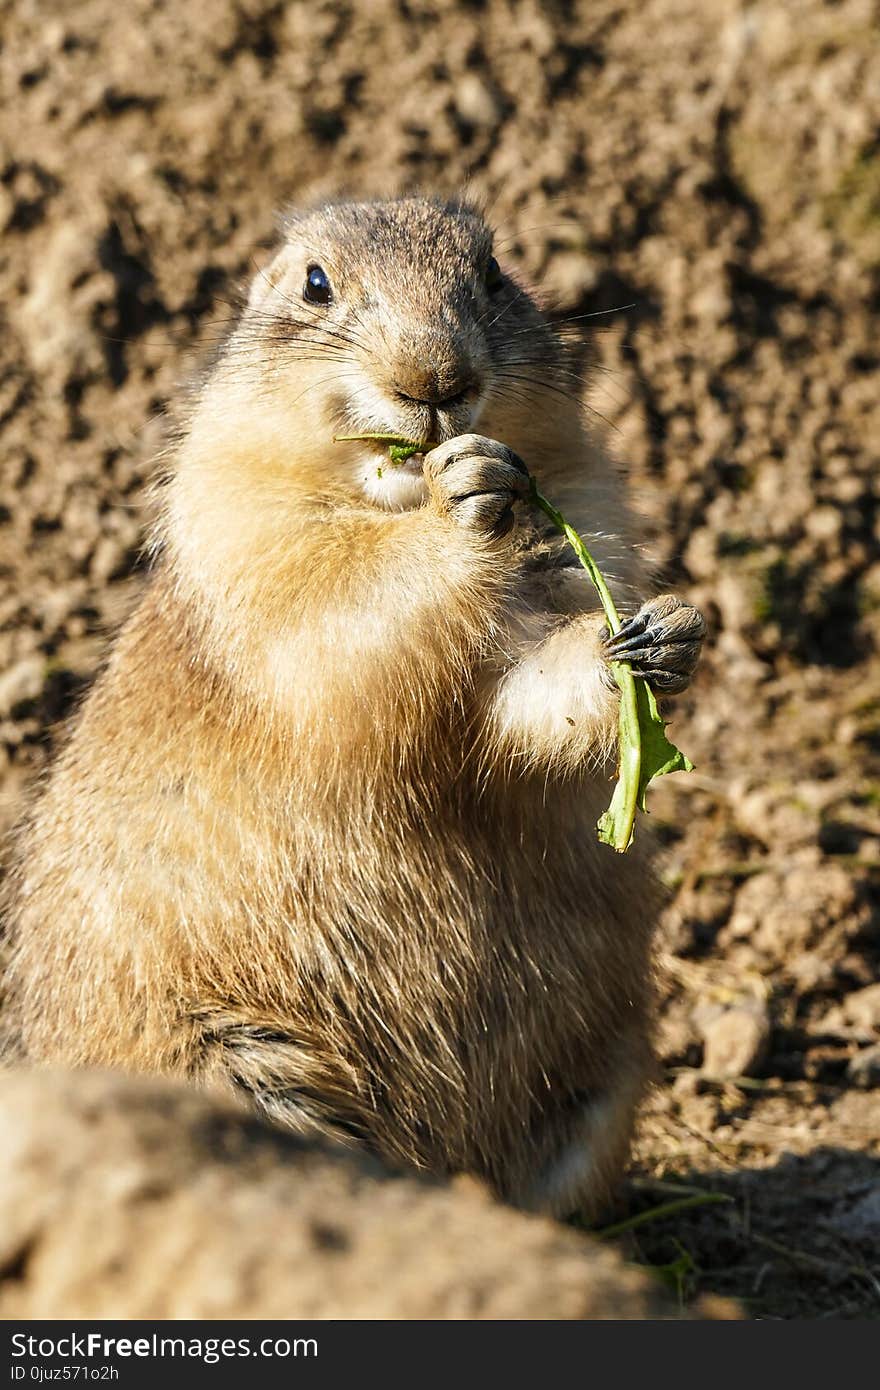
(136, 1198)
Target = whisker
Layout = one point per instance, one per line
(541, 384)
(508, 306)
(598, 313)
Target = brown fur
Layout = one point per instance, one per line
(309, 836)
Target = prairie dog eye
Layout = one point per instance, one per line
(494, 277)
(317, 289)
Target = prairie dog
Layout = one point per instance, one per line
(324, 829)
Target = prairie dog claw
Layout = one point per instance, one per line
(661, 643)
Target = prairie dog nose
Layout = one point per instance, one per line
(420, 374)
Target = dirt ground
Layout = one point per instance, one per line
(695, 184)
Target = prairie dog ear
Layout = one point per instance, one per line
(267, 278)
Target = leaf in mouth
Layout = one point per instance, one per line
(399, 449)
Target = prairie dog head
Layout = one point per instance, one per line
(387, 317)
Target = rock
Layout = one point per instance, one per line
(677, 1039)
(135, 1198)
(108, 559)
(56, 317)
(862, 1009)
(735, 1039)
(21, 683)
(475, 102)
(571, 276)
(785, 912)
(862, 1221)
(864, 1068)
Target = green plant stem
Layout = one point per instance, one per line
(701, 1199)
(630, 734)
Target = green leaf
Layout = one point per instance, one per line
(399, 449)
(644, 751)
(659, 755)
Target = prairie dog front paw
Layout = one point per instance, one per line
(662, 643)
(476, 481)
